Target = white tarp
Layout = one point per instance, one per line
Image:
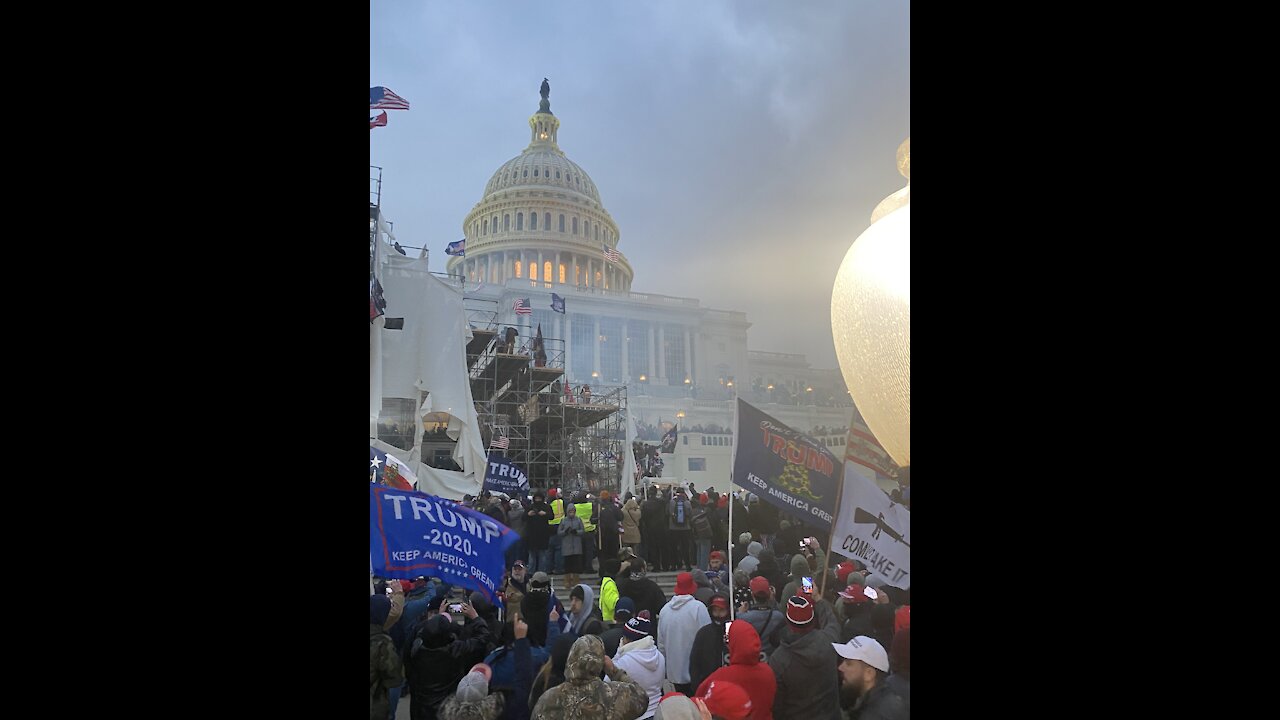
(866, 524)
(433, 481)
(629, 463)
(428, 358)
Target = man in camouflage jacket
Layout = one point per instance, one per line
(584, 696)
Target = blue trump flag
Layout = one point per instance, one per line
(504, 476)
(557, 303)
(456, 248)
(786, 468)
(412, 534)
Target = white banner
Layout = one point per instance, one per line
(873, 529)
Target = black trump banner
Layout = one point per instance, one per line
(784, 467)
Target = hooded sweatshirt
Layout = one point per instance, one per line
(805, 666)
(682, 617)
(752, 560)
(799, 569)
(583, 696)
(646, 666)
(704, 591)
(588, 609)
(631, 522)
(708, 651)
(746, 670)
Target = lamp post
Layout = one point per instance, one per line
(871, 319)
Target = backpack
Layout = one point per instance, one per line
(701, 526)
(680, 511)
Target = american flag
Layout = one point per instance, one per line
(378, 121)
(610, 254)
(381, 98)
(501, 442)
(522, 307)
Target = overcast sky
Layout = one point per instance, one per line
(739, 146)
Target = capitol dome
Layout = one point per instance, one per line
(541, 220)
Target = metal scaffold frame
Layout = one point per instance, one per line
(568, 441)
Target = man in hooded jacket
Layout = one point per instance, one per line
(642, 590)
(584, 696)
(582, 606)
(440, 656)
(805, 664)
(385, 669)
(680, 620)
(639, 656)
(746, 670)
(709, 649)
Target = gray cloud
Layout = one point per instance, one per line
(740, 146)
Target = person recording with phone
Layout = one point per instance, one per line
(441, 655)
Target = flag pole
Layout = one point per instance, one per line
(831, 536)
(733, 607)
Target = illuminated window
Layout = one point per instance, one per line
(519, 269)
(562, 223)
(533, 270)
(563, 270)
(519, 221)
(597, 284)
(546, 271)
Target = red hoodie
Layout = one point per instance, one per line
(746, 670)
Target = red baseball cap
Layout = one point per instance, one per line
(759, 585)
(727, 700)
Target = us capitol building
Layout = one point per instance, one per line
(541, 228)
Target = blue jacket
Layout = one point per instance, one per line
(503, 660)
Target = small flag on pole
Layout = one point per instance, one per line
(377, 304)
(539, 349)
(501, 442)
(381, 98)
(610, 254)
(522, 307)
(557, 303)
(378, 120)
(455, 248)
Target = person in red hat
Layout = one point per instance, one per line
(708, 645)
(678, 624)
(805, 664)
(854, 610)
(745, 670)
(728, 701)
(764, 615)
(716, 566)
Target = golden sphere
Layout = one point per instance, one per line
(871, 326)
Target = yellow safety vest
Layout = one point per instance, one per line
(584, 513)
(557, 507)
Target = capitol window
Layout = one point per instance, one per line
(563, 270)
(519, 221)
(506, 223)
(575, 226)
(519, 269)
(546, 221)
(526, 173)
(562, 223)
(486, 227)
(557, 174)
(533, 270)
(533, 221)
(546, 271)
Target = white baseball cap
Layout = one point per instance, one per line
(866, 649)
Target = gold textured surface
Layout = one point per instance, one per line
(871, 325)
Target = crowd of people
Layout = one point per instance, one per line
(820, 640)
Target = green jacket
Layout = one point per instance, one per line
(385, 672)
(608, 598)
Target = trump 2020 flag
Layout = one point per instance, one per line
(388, 470)
(557, 303)
(412, 534)
(504, 476)
(456, 248)
(787, 469)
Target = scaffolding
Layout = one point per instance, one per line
(568, 440)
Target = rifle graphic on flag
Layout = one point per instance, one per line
(863, 517)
